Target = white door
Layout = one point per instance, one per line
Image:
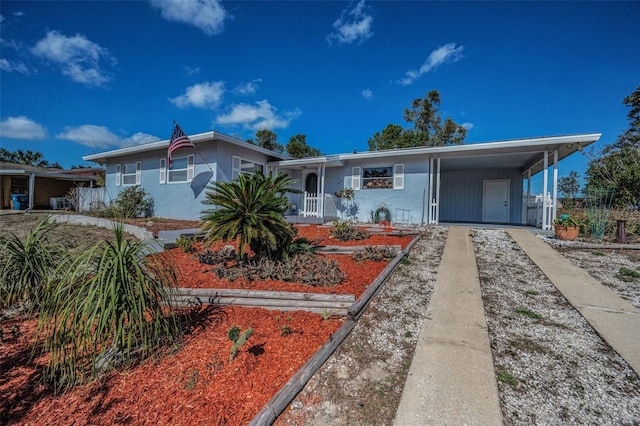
(495, 201)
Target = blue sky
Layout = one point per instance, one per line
(88, 76)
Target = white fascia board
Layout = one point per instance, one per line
(510, 146)
(164, 144)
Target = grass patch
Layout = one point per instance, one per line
(627, 275)
(529, 313)
(532, 292)
(598, 253)
(508, 378)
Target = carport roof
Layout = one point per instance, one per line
(524, 154)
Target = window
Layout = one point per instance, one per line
(181, 170)
(378, 177)
(240, 165)
(130, 173)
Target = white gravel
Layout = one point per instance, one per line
(562, 371)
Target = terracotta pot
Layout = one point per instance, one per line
(567, 233)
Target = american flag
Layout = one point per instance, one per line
(178, 140)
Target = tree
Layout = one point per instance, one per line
(268, 140)
(618, 165)
(28, 158)
(428, 128)
(298, 148)
(250, 209)
(569, 187)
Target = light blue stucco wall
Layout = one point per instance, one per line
(405, 205)
(182, 200)
(461, 194)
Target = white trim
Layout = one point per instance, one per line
(163, 170)
(356, 179)
(118, 174)
(236, 162)
(398, 176)
(138, 172)
(190, 167)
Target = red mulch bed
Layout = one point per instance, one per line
(197, 384)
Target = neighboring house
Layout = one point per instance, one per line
(178, 191)
(44, 187)
(474, 183)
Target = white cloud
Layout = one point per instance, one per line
(9, 66)
(367, 94)
(101, 137)
(206, 15)
(447, 53)
(21, 128)
(260, 116)
(78, 57)
(467, 126)
(352, 25)
(249, 88)
(202, 95)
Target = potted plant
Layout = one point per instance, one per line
(346, 193)
(567, 228)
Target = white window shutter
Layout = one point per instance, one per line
(190, 168)
(355, 177)
(118, 174)
(163, 170)
(398, 176)
(138, 172)
(235, 168)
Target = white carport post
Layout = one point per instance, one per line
(555, 188)
(545, 184)
(434, 191)
(438, 194)
(527, 198)
(32, 186)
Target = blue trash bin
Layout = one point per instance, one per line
(19, 201)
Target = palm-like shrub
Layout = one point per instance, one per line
(26, 264)
(250, 209)
(106, 306)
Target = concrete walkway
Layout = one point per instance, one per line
(451, 379)
(614, 319)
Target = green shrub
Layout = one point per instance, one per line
(186, 244)
(346, 231)
(250, 209)
(133, 202)
(106, 306)
(26, 266)
(377, 254)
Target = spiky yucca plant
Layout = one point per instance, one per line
(26, 264)
(250, 209)
(107, 305)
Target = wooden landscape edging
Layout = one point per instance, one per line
(357, 308)
(330, 304)
(281, 400)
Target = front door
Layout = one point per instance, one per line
(311, 183)
(495, 201)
